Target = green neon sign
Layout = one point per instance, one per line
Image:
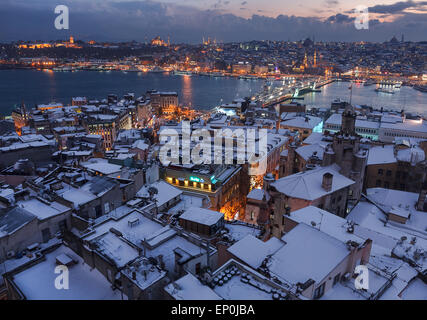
(195, 179)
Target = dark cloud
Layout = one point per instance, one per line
(244, 3)
(397, 7)
(139, 20)
(340, 18)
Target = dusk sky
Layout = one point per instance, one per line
(225, 20)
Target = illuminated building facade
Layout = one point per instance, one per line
(220, 183)
(164, 103)
(103, 125)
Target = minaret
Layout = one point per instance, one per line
(305, 60)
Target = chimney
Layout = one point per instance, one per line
(327, 181)
(161, 262)
(267, 180)
(421, 200)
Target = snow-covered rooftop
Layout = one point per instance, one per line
(85, 283)
(116, 249)
(381, 155)
(43, 210)
(253, 251)
(313, 149)
(307, 254)
(165, 192)
(12, 219)
(308, 185)
(102, 166)
(202, 216)
(190, 288)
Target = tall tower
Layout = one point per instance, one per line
(315, 59)
(348, 123)
(305, 60)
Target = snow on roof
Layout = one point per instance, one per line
(165, 192)
(253, 251)
(407, 125)
(403, 271)
(316, 137)
(348, 291)
(401, 212)
(7, 193)
(146, 273)
(190, 288)
(258, 194)
(390, 234)
(243, 283)
(77, 196)
(85, 283)
(144, 229)
(101, 166)
(202, 216)
(389, 198)
(307, 254)
(308, 122)
(190, 200)
(308, 185)
(335, 118)
(239, 230)
(116, 249)
(381, 155)
(12, 219)
(140, 144)
(412, 155)
(326, 222)
(41, 209)
(103, 117)
(307, 151)
(416, 290)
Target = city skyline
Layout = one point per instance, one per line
(231, 20)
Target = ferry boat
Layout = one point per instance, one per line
(63, 69)
(217, 74)
(182, 73)
(248, 77)
(384, 90)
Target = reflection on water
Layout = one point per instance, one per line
(187, 92)
(404, 98)
(36, 87)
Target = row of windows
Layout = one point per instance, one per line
(381, 172)
(404, 135)
(386, 185)
(399, 174)
(366, 130)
